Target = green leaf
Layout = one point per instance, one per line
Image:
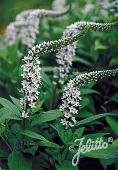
(33, 135)
(84, 103)
(103, 154)
(114, 144)
(46, 117)
(78, 133)
(38, 106)
(2, 129)
(93, 118)
(99, 45)
(37, 136)
(46, 79)
(113, 124)
(16, 128)
(17, 160)
(81, 60)
(48, 144)
(55, 154)
(113, 61)
(31, 150)
(6, 114)
(89, 91)
(10, 106)
(94, 136)
(16, 102)
(84, 114)
(65, 135)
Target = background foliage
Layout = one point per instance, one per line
(43, 142)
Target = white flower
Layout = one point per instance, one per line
(25, 27)
(71, 96)
(58, 4)
(31, 81)
(66, 54)
(24, 114)
(67, 115)
(65, 122)
(70, 104)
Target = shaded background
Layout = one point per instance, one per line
(96, 50)
(10, 8)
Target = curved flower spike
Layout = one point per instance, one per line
(25, 27)
(31, 70)
(53, 46)
(33, 55)
(65, 55)
(71, 96)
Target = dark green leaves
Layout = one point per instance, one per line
(37, 136)
(9, 111)
(45, 117)
(18, 161)
(8, 105)
(93, 118)
(16, 102)
(104, 154)
(113, 124)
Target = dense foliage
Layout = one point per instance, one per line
(33, 138)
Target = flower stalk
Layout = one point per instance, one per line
(71, 96)
(65, 55)
(31, 68)
(25, 27)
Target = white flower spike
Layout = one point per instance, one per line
(25, 27)
(71, 96)
(65, 55)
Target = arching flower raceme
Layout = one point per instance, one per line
(31, 71)
(71, 96)
(65, 55)
(25, 27)
(31, 63)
